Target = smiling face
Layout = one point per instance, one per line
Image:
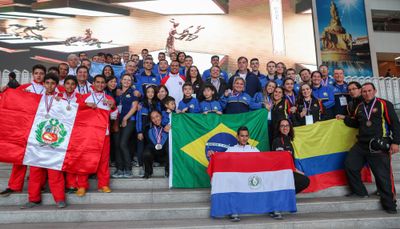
(112, 84)
(368, 92)
(306, 91)
(99, 84)
(316, 79)
(126, 81)
(284, 127)
(243, 137)
(69, 86)
(238, 85)
(278, 94)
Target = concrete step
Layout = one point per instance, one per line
(162, 211)
(358, 219)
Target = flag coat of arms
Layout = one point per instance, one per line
(60, 139)
(192, 135)
(320, 151)
(251, 183)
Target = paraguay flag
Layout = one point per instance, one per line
(251, 183)
(320, 151)
(66, 139)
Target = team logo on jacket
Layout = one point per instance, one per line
(153, 79)
(325, 94)
(50, 133)
(191, 106)
(254, 182)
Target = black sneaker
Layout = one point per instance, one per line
(234, 218)
(30, 205)
(166, 174)
(61, 204)
(71, 190)
(7, 192)
(276, 215)
(391, 211)
(356, 195)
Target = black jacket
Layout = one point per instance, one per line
(317, 110)
(385, 122)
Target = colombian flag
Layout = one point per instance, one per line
(320, 151)
(192, 135)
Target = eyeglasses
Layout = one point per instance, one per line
(284, 126)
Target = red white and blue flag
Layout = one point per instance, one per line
(251, 183)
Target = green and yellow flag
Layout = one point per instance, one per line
(192, 135)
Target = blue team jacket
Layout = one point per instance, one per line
(325, 94)
(234, 104)
(210, 106)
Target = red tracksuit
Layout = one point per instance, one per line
(103, 170)
(35, 183)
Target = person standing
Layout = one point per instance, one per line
(174, 82)
(252, 84)
(378, 138)
(214, 63)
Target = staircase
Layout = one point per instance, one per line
(139, 203)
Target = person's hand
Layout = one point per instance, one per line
(140, 137)
(124, 122)
(267, 105)
(394, 148)
(177, 111)
(210, 152)
(219, 112)
(137, 93)
(119, 92)
(92, 105)
(340, 117)
(205, 112)
(298, 171)
(226, 93)
(110, 102)
(184, 110)
(303, 113)
(139, 107)
(167, 128)
(293, 109)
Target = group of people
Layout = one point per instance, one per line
(141, 99)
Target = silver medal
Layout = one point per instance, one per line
(47, 116)
(68, 107)
(158, 146)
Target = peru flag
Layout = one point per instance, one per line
(67, 137)
(251, 183)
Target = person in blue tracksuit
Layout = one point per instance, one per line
(188, 104)
(326, 79)
(255, 65)
(147, 77)
(157, 146)
(214, 62)
(170, 106)
(341, 93)
(147, 105)
(291, 73)
(238, 101)
(323, 93)
(209, 103)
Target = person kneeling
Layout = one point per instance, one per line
(157, 146)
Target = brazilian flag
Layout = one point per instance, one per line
(192, 135)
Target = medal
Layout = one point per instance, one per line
(48, 105)
(158, 146)
(69, 98)
(68, 107)
(34, 89)
(368, 114)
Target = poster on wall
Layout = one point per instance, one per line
(342, 36)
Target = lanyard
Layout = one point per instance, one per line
(158, 134)
(34, 89)
(84, 92)
(291, 98)
(95, 97)
(368, 114)
(47, 103)
(309, 107)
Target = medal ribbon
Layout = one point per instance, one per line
(309, 107)
(158, 135)
(84, 92)
(291, 98)
(368, 114)
(34, 89)
(325, 82)
(69, 98)
(95, 97)
(47, 104)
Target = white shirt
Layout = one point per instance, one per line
(240, 148)
(243, 75)
(72, 71)
(174, 84)
(84, 89)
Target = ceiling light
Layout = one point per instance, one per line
(171, 7)
(397, 58)
(76, 7)
(21, 11)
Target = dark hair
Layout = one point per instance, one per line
(112, 70)
(38, 66)
(215, 56)
(145, 50)
(315, 72)
(112, 92)
(82, 67)
(271, 62)
(283, 92)
(242, 128)
(109, 55)
(51, 76)
(189, 57)
(304, 69)
(254, 59)
(286, 79)
(108, 79)
(210, 86)
(300, 97)
(242, 58)
(153, 104)
(163, 86)
(357, 84)
(290, 69)
(12, 75)
(168, 99)
(266, 85)
(71, 77)
(186, 84)
(101, 54)
(369, 83)
(63, 64)
(53, 68)
(179, 53)
(172, 61)
(323, 65)
(291, 131)
(198, 77)
(154, 111)
(86, 60)
(99, 76)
